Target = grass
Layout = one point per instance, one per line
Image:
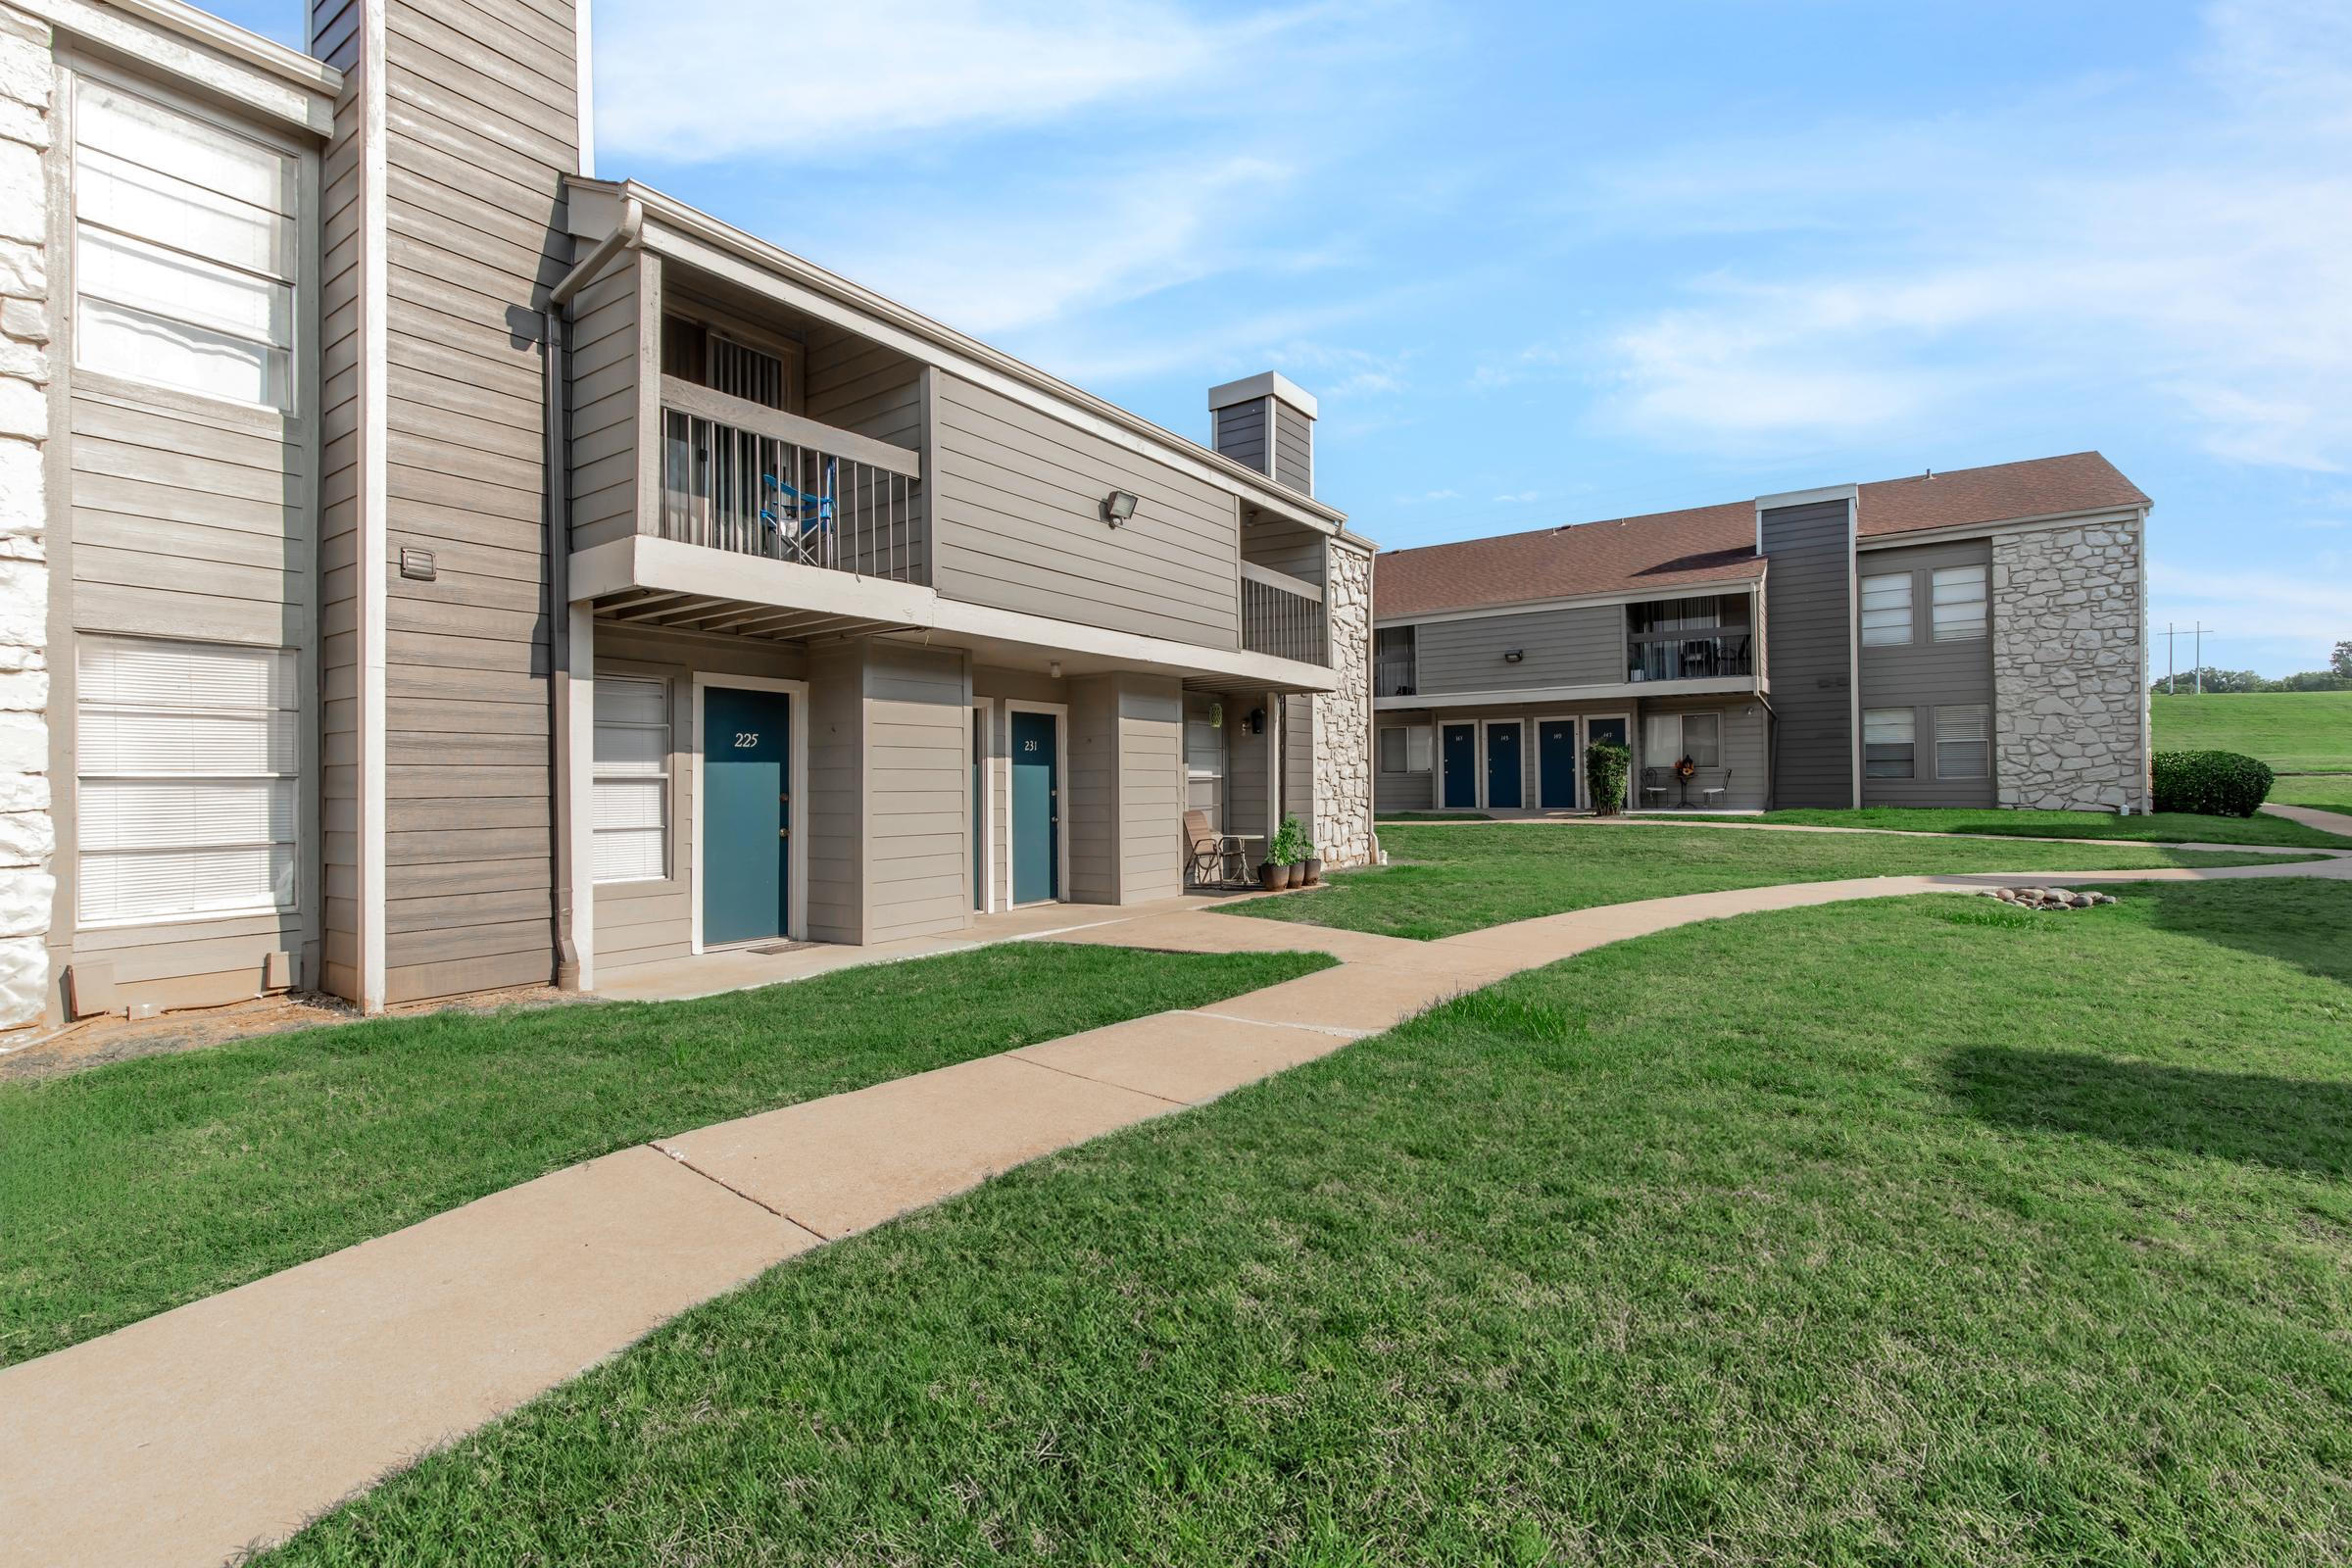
(133, 1187)
(1434, 816)
(2295, 732)
(2158, 827)
(1445, 880)
(2329, 792)
(1751, 1242)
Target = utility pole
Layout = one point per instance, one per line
(2170, 689)
(2200, 657)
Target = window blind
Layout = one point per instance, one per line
(632, 783)
(1964, 741)
(1887, 609)
(1959, 602)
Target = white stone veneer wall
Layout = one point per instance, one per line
(2070, 726)
(25, 837)
(1343, 718)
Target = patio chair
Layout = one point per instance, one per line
(1712, 795)
(1653, 783)
(801, 520)
(1211, 857)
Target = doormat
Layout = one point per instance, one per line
(777, 948)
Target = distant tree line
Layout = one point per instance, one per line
(2337, 677)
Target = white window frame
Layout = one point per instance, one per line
(1910, 739)
(1986, 740)
(295, 188)
(1888, 632)
(1416, 739)
(1682, 738)
(291, 777)
(601, 772)
(1969, 627)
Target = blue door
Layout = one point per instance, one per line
(1555, 764)
(1036, 808)
(1503, 766)
(747, 814)
(1459, 744)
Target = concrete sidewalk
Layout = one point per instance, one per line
(2311, 816)
(228, 1423)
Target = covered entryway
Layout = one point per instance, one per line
(1035, 806)
(747, 814)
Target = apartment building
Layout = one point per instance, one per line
(433, 567)
(1962, 639)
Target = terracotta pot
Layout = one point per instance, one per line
(1271, 877)
(1314, 870)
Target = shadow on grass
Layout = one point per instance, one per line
(2307, 923)
(2294, 1124)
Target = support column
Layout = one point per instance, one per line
(576, 805)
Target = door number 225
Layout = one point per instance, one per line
(746, 739)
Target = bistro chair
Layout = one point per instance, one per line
(801, 520)
(1211, 858)
(1653, 783)
(1712, 795)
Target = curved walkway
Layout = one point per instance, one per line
(187, 1436)
(2311, 816)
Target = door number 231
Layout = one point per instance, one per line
(746, 739)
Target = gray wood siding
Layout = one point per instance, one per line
(480, 126)
(1581, 645)
(854, 384)
(605, 381)
(1746, 727)
(1089, 792)
(1151, 788)
(1404, 792)
(836, 815)
(1240, 433)
(1809, 622)
(1923, 673)
(336, 40)
(1016, 523)
(1285, 547)
(1293, 449)
(917, 772)
(1245, 794)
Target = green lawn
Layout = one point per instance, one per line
(2159, 827)
(1434, 816)
(2299, 732)
(1445, 880)
(133, 1187)
(1752, 1242)
(2330, 791)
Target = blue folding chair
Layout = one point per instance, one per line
(801, 519)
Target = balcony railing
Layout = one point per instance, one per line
(1283, 615)
(740, 477)
(1693, 658)
(1393, 672)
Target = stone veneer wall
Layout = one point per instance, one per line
(1344, 719)
(27, 887)
(2071, 709)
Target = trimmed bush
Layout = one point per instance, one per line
(2210, 783)
(1605, 766)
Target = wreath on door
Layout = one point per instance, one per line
(1685, 770)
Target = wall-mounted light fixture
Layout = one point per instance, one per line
(1512, 656)
(1216, 716)
(1119, 506)
(1053, 668)
(1257, 721)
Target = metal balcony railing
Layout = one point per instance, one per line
(1393, 672)
(1283, 615)
(740, 477)
(1693, 658)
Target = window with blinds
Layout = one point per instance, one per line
(1889, 736)
(1964, 741)
(1960, 604)
(1405, 749)
(1887, 609)
(631, 787)
(187, 761)
(183, 251)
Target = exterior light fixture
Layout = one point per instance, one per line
(1512, 656)
(1053, 668)
(1216, 716)
(1257, 721)
(1119, 506)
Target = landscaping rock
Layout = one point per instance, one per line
(2048, 898)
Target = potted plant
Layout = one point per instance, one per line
(1312, 858)
(1605, 766)
(1287, 852)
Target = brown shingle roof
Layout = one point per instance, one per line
(1674, 550)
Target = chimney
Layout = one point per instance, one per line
(1267, 422)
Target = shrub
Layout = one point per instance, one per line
(1289, 845)
(1605, 766)
(2210, 783)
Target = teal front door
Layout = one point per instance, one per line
(747, 814)
(1036, 808)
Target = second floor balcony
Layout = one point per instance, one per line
(1700, 658)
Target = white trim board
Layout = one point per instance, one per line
(984, 709)
(1061, 715)
(1717, 686)
(796, 925)
(1748, 586)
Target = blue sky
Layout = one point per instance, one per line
(1547, 263)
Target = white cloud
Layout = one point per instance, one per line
(2312, 606)
(804, 80)
(2197, 251)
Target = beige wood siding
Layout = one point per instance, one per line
(918, 774)
(1284, 547)
(1580, 646)
(857, 385)
(1090, 795)
(1003, 686)
(836, 815)
(1017, 523)
(1299, 761)
(335, 35)
(1246, 779)
(606, 383)
(1204, 755)
(480, 128)
(1151, 788)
